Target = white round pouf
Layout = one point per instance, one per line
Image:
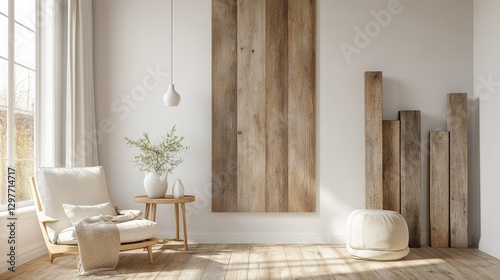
(377, 235)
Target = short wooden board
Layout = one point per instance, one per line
(391, 166)
(439, 188)
(411, 187)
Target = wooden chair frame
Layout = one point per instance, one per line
(57, 250)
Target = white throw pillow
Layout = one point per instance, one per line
(77, 212)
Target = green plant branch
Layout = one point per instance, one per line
(160, 157)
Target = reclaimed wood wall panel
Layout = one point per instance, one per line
(301, 105)
(411, 187)
(373, 140)
(277, 106)
(272, 166)
(439, 188)
(457, 125)
(251, 104)
(391, 167)
(224, 88)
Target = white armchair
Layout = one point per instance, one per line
(83, 187)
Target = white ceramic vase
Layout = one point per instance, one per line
(178, 189)
(155, 184)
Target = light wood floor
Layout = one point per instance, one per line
(223, 261)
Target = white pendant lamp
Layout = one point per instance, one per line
(171, 98)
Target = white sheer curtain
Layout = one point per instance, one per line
(67, 113)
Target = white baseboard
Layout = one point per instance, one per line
(490, 248)
(27, 254)
(258, 237)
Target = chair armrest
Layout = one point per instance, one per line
(138, 213)
(46, 219)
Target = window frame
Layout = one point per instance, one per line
(11, 63)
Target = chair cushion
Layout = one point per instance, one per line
(77, 212)
(130, 231)
(78, 186)
(377, 235)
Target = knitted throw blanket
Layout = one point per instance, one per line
(98, 244)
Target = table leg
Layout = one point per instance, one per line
(153, 210)
(183, 208)
(176, 208)
(146, 211)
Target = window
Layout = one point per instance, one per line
(17, 95)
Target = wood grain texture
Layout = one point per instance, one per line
(316, 265)
(224, 88)
(457, 125)
(218, 263)
(258, 266)
(439, 188)
(391, 167)
(251, 104)
(195, 267)
(307, 261)
(301, 106)
(411, 187)
(264, 155)
(373, 140)
(276, 258)
(300, 269)
(239, 262)
(276, 106)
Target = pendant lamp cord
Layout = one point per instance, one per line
(172, 42)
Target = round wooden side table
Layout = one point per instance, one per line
(168, 199)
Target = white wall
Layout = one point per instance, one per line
(487, 89)
(425, 51)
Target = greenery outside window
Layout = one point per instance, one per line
(17, 95)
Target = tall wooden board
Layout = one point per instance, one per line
(373, 140)
(301, 105)
(391, 167)
(251, 104)
(224, 88)
(457, 125)
(411, 187)
(277, 106)
(439, 188)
